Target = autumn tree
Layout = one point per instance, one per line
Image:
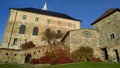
(28, 45)
(51, 36)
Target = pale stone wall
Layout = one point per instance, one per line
(78, 38)
(107, 26)
(10, 56)
(16, 19)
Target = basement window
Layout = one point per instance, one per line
(15, 54)
(6, 54)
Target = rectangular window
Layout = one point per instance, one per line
(112, 36)
(24, 17)
(15, 42)
(37, 19)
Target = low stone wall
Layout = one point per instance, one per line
(19, 56)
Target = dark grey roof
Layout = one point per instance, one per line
(50, 13)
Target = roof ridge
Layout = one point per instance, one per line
(51, 13)
(106, 13)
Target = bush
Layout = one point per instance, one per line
(34, 61)
(27, 45)
(55, 57)
(82, 54)
(43, 60)
(95, 60)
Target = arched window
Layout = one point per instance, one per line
(22, 29)
(35, 31)
(47, 32)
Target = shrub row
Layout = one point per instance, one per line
(61, 56)
(54, 57)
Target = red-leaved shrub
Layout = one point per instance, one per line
(28, 45)
(95, 60)
(55, 57)
(34, 61)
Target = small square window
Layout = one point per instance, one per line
(37, 19)
(48, 21)
(59, 22)
(24, 17)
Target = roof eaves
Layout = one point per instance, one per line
(117, 9)
(47, 13)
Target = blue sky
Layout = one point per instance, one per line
(85, 10)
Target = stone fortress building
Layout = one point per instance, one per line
(105, 35)
(28, 24)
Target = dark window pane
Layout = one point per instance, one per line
(35, 31)
(22, 29)
(15, 41)
(47, 33)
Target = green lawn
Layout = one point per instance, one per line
(73, 65)
(86, 65)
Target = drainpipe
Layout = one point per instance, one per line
(12, 29)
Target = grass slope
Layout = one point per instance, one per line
(72, 65)
(86, 65)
